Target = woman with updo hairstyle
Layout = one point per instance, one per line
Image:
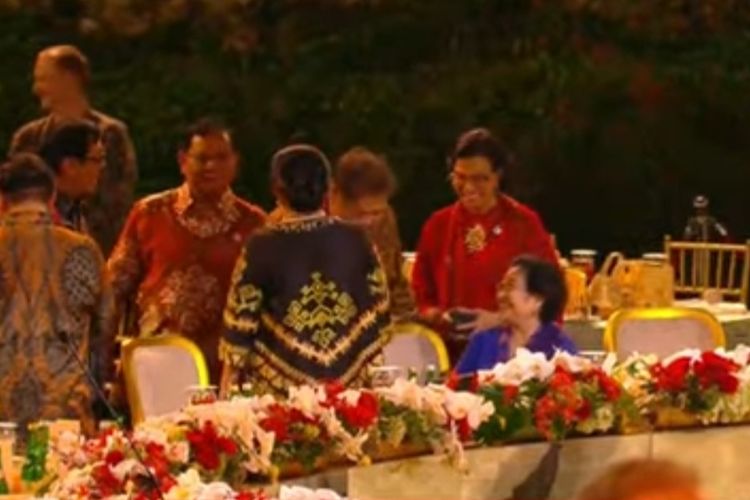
(466, 248)
(308, 300)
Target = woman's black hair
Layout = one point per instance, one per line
(481, 142)
(301, 174)
(545, 280)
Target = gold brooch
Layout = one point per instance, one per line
(476, 239)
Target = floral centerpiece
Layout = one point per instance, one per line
(691, 387)
(551, 397)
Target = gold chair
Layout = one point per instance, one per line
(661, 331)
(413, 345)
(703, 266)
(158, 372)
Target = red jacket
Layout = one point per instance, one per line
(446, 274)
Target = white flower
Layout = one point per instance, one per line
(350, 397)
(609, 363)
(574, 364)
(739, 354)
(300, 493)
(216, 491)
(475, 409)
(306, 399)
(150, 434)
(179, 452)
(524, 366)
(127, 468)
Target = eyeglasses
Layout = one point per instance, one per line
(461, 178)
(206, 159)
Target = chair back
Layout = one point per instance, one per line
(158, 372)
(661, 331)
(700, 266)
(417, 347)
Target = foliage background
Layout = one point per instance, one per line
(619, 111)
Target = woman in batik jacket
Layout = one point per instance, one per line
(308, 300)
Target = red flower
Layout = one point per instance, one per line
(509, 393)
(561, 379)
(333, 389)
(464, 429)
(156, 459)
(277, 421)
(713, 369)
(673, 377)
(114, 457)
(362, 415)
(106, 482)
(207, 445)
(609, 387)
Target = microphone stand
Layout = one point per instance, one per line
(73, 351)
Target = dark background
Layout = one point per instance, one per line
(618, 111)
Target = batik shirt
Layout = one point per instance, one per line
(174, 265)
(52, 280)
(106, 212)
(308, 303)
(383, 233)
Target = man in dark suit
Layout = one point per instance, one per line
(61, 78)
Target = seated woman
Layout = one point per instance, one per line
(530, 298)
(466, 248)
(308, 299)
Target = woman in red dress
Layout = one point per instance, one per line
(466, 248)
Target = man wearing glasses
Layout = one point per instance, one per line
(174, 259)
(61, 81)
(75, 154)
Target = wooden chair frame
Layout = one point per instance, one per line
(701, 273)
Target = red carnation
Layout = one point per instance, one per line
(609, 387)
(106, 482)
(672, 378)
(114, 457)
(713, 369)
(207, 445)
(509, 393)
(362, 415)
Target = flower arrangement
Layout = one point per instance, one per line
(708, 387)
(219, 445)
(550, 397)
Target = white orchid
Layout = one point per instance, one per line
(571, 363)
(307, 399)
(300, 493)
(475, 409)
(129, 467)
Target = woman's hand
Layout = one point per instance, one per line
(483, 320)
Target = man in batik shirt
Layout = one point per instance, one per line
(61, 78)
(174, 259)
(53, 298)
